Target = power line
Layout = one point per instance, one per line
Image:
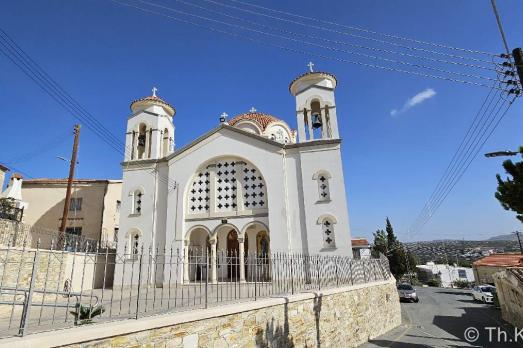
(309, 19)
(23, 61)
(345, 43)
(313, 19)
(300, 51)
(237, 26)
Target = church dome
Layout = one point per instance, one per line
(143, 103)
(260, 118)
(310, 78)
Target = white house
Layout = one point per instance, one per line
(446, 273)
(250, 184)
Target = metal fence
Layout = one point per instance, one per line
(17, 234)
(51, 289)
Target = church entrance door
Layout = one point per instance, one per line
(233, 261)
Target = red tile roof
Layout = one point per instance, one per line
(260, 118)
(360, 242)
(500, 260)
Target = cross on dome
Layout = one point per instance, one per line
(154, 91)
(253, 109)
(310, 65)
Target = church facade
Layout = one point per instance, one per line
(250, 185)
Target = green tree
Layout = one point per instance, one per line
(510, 191)
(388, 244)
(380, 242)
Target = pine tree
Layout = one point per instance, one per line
(387, 243)
(510, 191)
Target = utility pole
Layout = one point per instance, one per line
(72, 165)
(517, 233)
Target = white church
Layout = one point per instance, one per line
(250, 185)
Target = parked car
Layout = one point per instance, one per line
(484, 293)
(407, 293)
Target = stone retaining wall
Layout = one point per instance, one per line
(342, 317)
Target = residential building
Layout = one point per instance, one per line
(249, 185)
(361, 248)
(486, 267)
(447, 274)
(93, 211)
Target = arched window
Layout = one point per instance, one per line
(136, 206)
(327, 226)
(327, 223)
(134, 245)
(228, 186)
(142, 140)
(323, 177)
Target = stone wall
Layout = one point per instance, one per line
(510, 293)
(342, 317)
(54, 268)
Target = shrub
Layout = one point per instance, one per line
(85, 314)
(434, 282)
(461, 284)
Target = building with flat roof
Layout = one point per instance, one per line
(93, 211)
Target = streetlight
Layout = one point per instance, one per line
(502, 153)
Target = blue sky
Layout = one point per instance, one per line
(106, 55)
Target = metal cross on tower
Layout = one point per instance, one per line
(310, 65)
(154, 91)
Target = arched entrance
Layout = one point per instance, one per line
(198, 254)
(233, 250)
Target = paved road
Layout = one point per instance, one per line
(440, 320)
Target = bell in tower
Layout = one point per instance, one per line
(315, 105)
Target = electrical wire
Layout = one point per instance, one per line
(313, 19)
(23, 61)
(303, 52)
(355, 35)
(345, 43)
(237, 26)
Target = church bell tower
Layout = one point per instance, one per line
(150, 129)
(315, 105)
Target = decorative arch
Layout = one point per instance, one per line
(187, 236)
(226, 186)
(215, 231)
(254, 126)
(252, 223)
(329, 217)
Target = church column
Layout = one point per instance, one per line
(309, 123)
(239, 186)
(135, 145)
(324, 131)
(214, 278)
(301, 114)
(241, 255)
(212, 189)
(186, 262)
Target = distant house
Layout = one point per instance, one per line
(93, 210)
(485, 267)
(446, 273)
(361, 248)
